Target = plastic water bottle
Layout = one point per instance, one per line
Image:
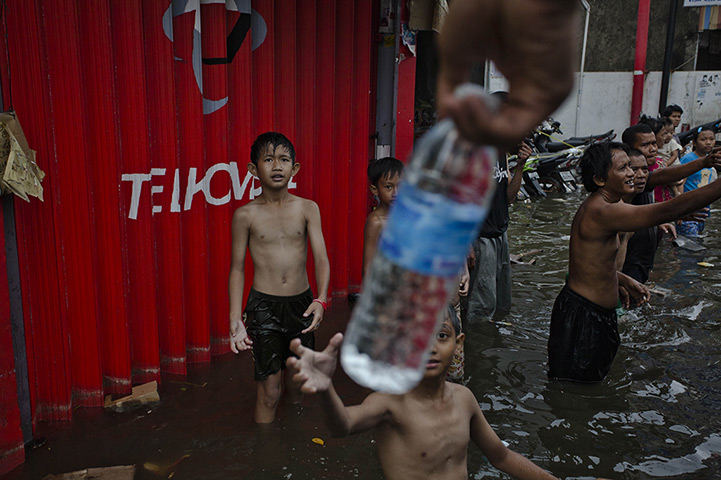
(438, 212)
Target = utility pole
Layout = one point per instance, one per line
(666, 77)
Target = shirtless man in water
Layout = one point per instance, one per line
(276, 228)
(584, 333)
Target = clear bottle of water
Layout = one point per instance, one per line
(438, 212)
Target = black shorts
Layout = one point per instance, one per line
(272, 322)
(584, 338)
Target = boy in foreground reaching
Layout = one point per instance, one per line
(423, 433)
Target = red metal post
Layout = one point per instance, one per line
(639, 63)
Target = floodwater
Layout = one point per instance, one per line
(655, 416)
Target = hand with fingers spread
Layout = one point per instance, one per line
(698, 216)
(532, 44)
(239, 339)
(315, 369)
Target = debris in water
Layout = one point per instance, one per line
(319, 441)
(142, 394)
(162, 468)
(124, 472)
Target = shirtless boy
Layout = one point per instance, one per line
(423, 433)
(276, 228)
(384, 175)
(584, 333)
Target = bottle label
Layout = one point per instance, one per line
(429, 233)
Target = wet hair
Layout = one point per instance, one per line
(273, 139)
(698, 131)
(596, 161)
(671, 109)
(629, 135)
(384, 167)
(632, 152)
(455, 321)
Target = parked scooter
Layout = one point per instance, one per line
(552, 168)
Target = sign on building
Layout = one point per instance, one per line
(700, 3)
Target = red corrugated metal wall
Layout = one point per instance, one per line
(142, 114)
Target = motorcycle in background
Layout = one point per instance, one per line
(553, 166)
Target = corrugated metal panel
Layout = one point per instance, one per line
(142, 114)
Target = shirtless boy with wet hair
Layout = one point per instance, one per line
(423, 433)
(584, 333)
(276, 228)
(384, 177)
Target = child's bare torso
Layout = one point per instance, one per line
(278, 244)
(425, 438)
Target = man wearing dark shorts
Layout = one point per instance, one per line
(584, 338)
(272, 322)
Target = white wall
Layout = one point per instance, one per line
(604, 102)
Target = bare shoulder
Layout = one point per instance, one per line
(463, 398)
(374, 222)
(307, 204)
(308, 207)
(244, 213)
(461, 393)
(381, 405)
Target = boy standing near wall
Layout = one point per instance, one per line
(276, 228)
(384, 176)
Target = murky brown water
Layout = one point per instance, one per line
(655, 416)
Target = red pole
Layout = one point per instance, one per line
(639, 64)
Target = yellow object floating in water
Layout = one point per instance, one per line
(319, 441)
(704, 264)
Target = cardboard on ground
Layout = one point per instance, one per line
(125, 472)
(145, 393)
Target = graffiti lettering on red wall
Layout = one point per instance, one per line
(159, 178)
(249, 19)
